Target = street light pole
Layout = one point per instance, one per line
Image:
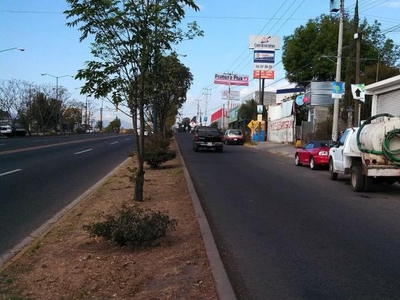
(14, 48)
(56, 77)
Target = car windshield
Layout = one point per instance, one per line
(235, 132)
(319, 144)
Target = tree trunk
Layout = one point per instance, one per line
(139, 183)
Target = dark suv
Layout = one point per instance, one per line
(208, 137)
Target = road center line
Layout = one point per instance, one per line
(80, 152)
(10, 172)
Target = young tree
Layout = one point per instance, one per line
(174, 82)
(128, 37)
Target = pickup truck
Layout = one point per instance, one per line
(369, 153)
(208, 137)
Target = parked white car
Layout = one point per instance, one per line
(6, 130)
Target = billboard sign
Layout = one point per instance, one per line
(264, 56)
(270, 42)
(263, 67)
(231, 79)
(263, 74)
(231, 95)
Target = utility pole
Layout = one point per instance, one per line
(357, 37)
(198, 111)
(206, 93)
(338, 73)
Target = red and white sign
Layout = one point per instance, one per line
(231, 79)
(263, 74)
(216, 116)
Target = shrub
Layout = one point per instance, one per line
(132, 226)
(157, 151)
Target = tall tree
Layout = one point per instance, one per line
(310, 52)
(128, 37)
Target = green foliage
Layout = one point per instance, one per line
(248, 110)
(129, 39)
(80, 130)
(114, 126)
(157, 151)
(132, 226)
(173, 81)
(310, 53)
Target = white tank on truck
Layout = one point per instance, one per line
(381, 137)
(370, 153)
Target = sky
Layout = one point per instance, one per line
(39, 27)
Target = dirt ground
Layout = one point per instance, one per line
(66, 263)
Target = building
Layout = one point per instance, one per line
(385, 96)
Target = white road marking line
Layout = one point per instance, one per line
(114, 143)
(10, 172)
(84, 151)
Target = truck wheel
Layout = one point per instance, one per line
(297, 160)
(332, 174)
(313, 166)
(357, 179)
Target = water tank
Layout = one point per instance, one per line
(373, 135)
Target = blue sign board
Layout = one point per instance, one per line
(264, 56)
(337, 89)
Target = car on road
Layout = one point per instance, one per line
(315, 154)
(234, 136)
(208, 137)
(6, 130)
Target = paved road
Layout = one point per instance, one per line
(286, 232)
(41, 176)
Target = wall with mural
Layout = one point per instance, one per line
(282, 130)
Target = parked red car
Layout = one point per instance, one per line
(314, 154)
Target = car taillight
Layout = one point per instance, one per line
(323, 153)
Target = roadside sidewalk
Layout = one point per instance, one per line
(284, 149)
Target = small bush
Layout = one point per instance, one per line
(132, 226)
(157, 151)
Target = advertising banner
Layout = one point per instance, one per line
(264, 42)
(263, 67)
(264, 56)
(231, 79)
(263, 74)
(232, 95)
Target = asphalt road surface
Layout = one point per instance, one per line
(39, 176)
(286, 232)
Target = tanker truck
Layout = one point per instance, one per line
(369, 153)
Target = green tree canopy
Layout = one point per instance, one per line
(173, 82)
(310, 53)
(129, 36)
